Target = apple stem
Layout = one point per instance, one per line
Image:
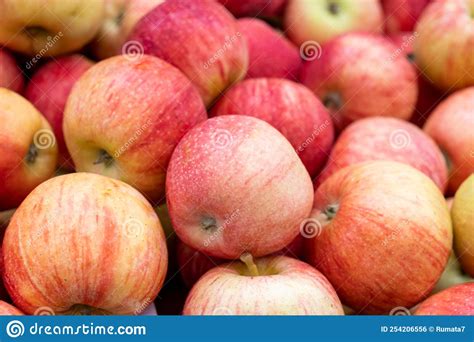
(332, 101)
(105, 158)
(247, 259)
(31, 154)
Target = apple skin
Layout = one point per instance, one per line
(406, 240)
(462, 214)
(289, 107)
(29, 152)
(452, 275)
(285, 286)
(110, 109)
(402, 15)
(49, 28)
(224, 214)
(454, 301)
(314, 20)
(443, 46)
(201, 39)
(253, 8)
(9, 310)
(358, 75)
(270, 53)
(115, 266)
(48, 91)
(448, 126)
(381, 138)
(10, 74)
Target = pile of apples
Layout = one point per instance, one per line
(242, 157)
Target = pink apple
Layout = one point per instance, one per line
(9, 310)
(457, 300)
(200, 37)
(276, 285)
(10, 75)
(360, 75)
(29, 151)
(402, 15)
(227, 182)
(48, 91)
(270, 53)
(289, 107)
(393, 139)
(450, 125)
(321, 21)
(444, 44)
(385, 235)
(125, 116)
(253, 8)
(84, 243)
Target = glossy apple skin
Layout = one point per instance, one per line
(313, 21)
(270, 53)
(443, 47)
(22, 128)
(48, 91)
(457, 300)
(402, 15)
(224, 214)
(389, 239)
(49, 28)
(10, 75)
(201, 39)
(449, 126)
(117, 264)
(289, 107)
(379, 138)
(462, 214)
(110, 109)
(366, 75)
(291, 287)
(9, 310)
(253, 8)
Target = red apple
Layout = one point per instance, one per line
(227, 182)
(253, 8)
(457, 300)
(9, 310)
(359, 75)
(402, 15)
(10, 75)
(444, 44)
(276, 285)
(289, 107)
(450, 125)
(29, 151)
(381, 138)
(270, 53)
(48, 91)
(200, 37)
(84, 243)
(320, 21)
(385, 235)
(125, 116)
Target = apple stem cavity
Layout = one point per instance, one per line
(334, 8)
(247, 259)
(331, 210)
(36, 31)
(32, 154)
(104, 157)
(332, 101)
(209, 224)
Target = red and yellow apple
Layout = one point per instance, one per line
(10, 74)
(9, 310)
(402, 15)
(254, 8)
(457, 300)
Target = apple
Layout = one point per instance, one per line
(457, 300)
(443, 46)
(450, 126)
(358, 75)
(50, 27)
(270, 53)
(125, 116)
(321, 21)
(29, 151)
(402, 15)
(48, 91)
(462, 214)
(253, 8)
(385, 235)
(201, 38)
(10, 75)
(115, 266)
(9, 310)
(382, 138)
(227, 182)
(275, 285)
(452, 275)
(289, 107)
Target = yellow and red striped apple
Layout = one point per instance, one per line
(10, 74)
(457, 300)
